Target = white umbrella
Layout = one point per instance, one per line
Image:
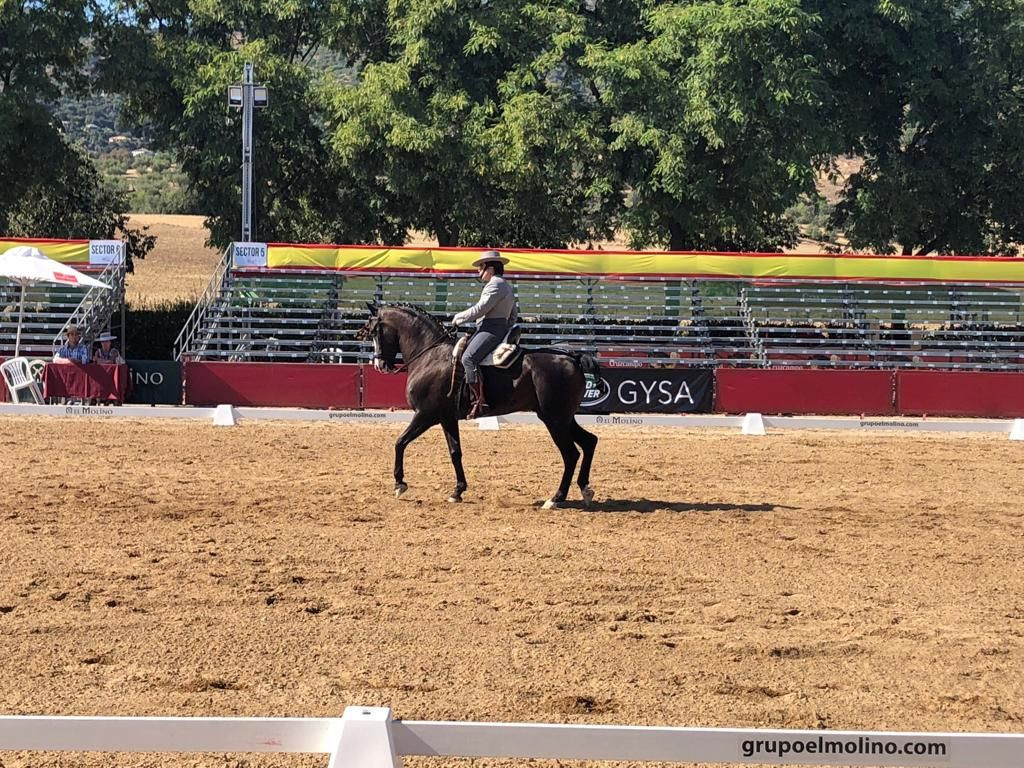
(26, 265)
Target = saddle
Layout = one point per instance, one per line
(503, 355)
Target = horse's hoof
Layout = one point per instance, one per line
(588, 496)
(455, 499)
(400, 488)
(550, 504)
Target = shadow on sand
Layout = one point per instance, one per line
(656, 505)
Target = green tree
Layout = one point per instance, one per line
(174, 60)
(932, 97)
(41, 53)
(78, 205)
(472, 121)
(716, 109)
(47, 187)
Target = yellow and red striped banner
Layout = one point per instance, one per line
(64, 251)
(624, 264)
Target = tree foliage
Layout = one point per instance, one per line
(715, 111)
(41, 51)
(78, 205)
(690, 123)
(47, 187)
(152, 182)
(471, 118)
(935, 101)
(174, 62)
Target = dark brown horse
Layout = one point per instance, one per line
(549, 382)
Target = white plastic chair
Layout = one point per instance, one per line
(18, 376)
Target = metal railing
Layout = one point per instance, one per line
(185, 343)
(94, 311)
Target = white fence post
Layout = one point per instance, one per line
(366, 740)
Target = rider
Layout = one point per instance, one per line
(496, 311)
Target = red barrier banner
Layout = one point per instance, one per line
(383, 390)
(990, 394)
(804, 391)
(299, 385)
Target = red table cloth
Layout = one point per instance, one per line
(92, 381)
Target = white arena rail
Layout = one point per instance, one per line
(367, 737)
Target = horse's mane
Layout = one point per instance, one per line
(421, 313)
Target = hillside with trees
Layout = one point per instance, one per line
(151, 182)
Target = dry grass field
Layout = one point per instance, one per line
(180, 265)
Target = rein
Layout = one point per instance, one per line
(406, 363)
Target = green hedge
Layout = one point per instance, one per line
(152, 328)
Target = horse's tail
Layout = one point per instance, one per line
(587, 363)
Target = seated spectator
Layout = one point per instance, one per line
(73, 350)
(107, 353)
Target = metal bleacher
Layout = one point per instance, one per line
(50, 308)
(312, 316)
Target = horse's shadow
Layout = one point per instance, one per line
(646, 506)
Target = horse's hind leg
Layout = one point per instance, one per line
(417, 427)
(587, 441)
(561, 433)
(451, 434)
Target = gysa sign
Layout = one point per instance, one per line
(649, 390)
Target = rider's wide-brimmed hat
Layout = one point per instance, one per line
(488, 256)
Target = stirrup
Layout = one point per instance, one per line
(479, 410)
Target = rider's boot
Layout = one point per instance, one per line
(480, 406)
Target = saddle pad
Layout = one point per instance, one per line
(503, 354)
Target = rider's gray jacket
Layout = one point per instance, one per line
(497, 302)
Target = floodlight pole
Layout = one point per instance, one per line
(247, 98)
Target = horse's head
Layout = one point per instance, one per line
(385, 340)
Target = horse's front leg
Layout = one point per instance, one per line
(451, 434)
(420, 424)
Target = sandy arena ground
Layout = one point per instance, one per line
(805, 580)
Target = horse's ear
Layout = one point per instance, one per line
(372, 306)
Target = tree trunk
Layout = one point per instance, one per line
(447, 236)
(927, 248)
(677, 237)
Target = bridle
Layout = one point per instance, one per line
(380, 364)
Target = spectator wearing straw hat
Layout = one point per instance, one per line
(73, 350)
(107, 353)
